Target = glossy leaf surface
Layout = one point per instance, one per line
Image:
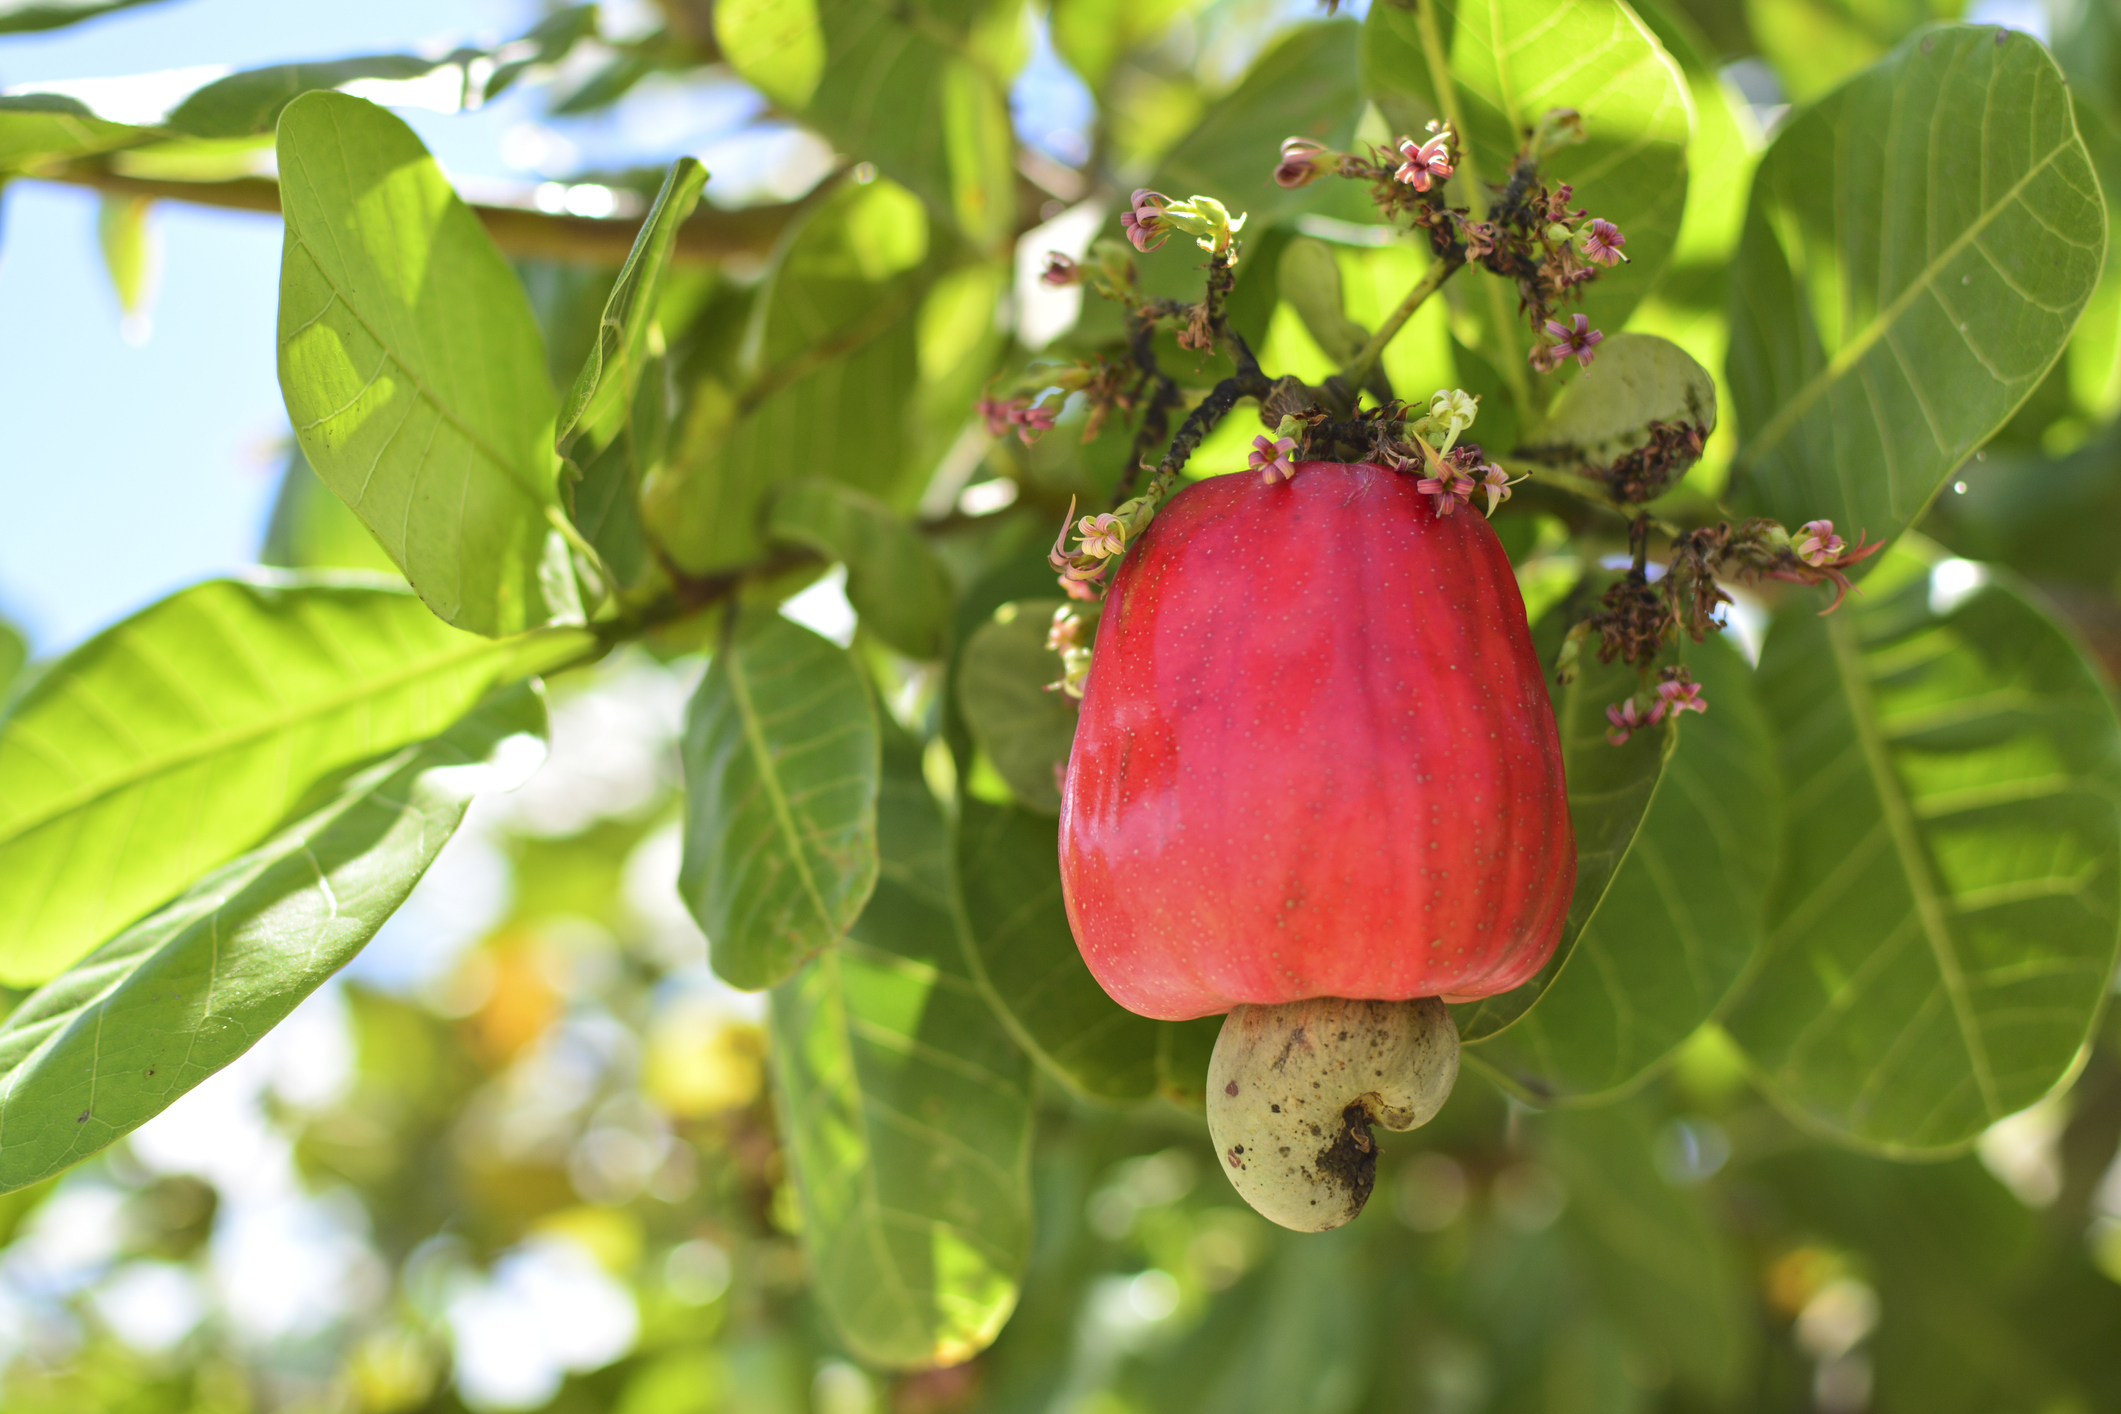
(908, 1110)
(412, 367)
(1919, 245)
(780, 755)
(173, 741)
(113, 1041)
(1680, 919)
(1942, 932)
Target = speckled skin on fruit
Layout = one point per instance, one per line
(1294, 1089)
(1315, 757)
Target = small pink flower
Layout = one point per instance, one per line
(1496, 482)
(1299, 162)
(1144, 223)
(1576, 339)
(1820, 545)
(1627, 721)
(1061, 271)
(1679, 696)
(1103, 536)
(1603, 242)
(1450, 492)
(996, 414)
(1270, 458)
(1431, 159)
(1030, 422)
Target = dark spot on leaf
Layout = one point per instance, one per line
(1275, 1108)
(81, 1118)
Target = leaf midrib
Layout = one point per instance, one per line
(1907, 846)
(770, 781)
(1852, 352)
(206, 746)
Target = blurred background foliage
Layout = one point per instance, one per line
(521, 1156)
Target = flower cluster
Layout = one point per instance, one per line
(1650, 470)
(1027, 417)
(1070, 637)
(1100, 541)
(1151, 217)
(1531, 235)
(1676, 692)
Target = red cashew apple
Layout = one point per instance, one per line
(1315, 766)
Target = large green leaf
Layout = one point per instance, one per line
(1510, 61)
(1681, 918)
(1648, 1250)
(413, 368)
(1004, 677)
(112, 1042)
(173, 741)
(781, 769)
(1024, 954)
(907, 1110)
(1943, 927)
(1918, 248)
(1610, 791)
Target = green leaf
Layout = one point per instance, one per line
(1183, 1049)
(1509, 62)
(1943, 927)
(1680, 921)
(1918, 248)
(251, 102)
(894, 581)
(171, 742)
(112, 1042)
(907, 1111)
(615, 425)
(1024, 955)
(1669, 1278)
(602, 395)
(889, 88)
(414, 371)
(780, 756)
(1610, 792)
(27, 16)
(131, 254)
(1002, 680)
